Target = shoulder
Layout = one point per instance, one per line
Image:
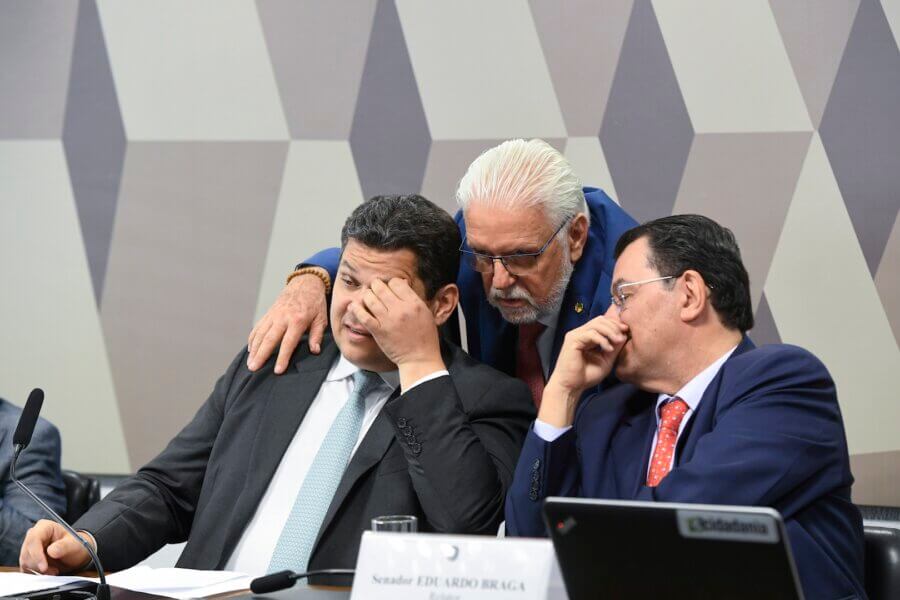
(775, 361)
(474, 378)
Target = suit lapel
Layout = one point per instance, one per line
(370, 452)
(630, 450)
(289, 399)
(706, 409)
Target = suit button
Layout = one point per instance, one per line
(406, 430)
(415, 447)
(536, 464)
(533, 496)
(401, 422)
(535, 476)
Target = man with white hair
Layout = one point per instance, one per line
(538, 261)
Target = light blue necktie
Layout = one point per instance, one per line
(302, 526)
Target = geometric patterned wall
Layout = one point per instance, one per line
(164, 163)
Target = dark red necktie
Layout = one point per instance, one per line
(671, 414)
(528, 361)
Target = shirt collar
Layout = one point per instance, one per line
(694, 389)
(343, 369)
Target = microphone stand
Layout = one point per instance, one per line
(102, 592)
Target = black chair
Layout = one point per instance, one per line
(882, 532)
(82, 492)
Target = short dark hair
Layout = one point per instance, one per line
(694, 242)
(414, 223)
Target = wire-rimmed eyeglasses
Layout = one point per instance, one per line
(618, 297)
(515, 264)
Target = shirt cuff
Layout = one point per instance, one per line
(548, 432)
(428, 378)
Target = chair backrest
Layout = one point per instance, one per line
(882, 530)
(82, 492)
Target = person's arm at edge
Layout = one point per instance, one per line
(39, 469)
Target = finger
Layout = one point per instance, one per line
(316, 333)
(364, 317)
(267, 347)
(289, 343)
(32, 555)
(591, 338)
(374, 304)
(256, 338)
(607, 327)
(612, 313)
(401, 288)
(383, 293)
(65, 548)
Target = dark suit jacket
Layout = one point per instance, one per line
(452, 470)
(767, 432)
(490, 338)
(38, 468)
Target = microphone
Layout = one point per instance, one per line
(21, 439)
(285, 579)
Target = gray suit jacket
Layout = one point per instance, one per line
(445, 451)
(38, 468)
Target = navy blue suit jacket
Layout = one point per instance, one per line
(491, 339)
(767, 432)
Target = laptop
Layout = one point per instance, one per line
(625, 549)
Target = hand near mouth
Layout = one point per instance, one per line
(403, 326)
(587, 356)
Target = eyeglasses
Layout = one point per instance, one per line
(618, 297)
(515, 264)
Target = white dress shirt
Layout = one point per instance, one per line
(691, 393)
(257, 543)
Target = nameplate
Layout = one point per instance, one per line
(424, 566)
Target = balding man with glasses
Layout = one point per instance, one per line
(538, 261)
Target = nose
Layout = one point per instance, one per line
(501, 278)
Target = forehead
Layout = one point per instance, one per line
(365, 263)
(504, 229)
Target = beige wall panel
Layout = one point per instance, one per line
(480, 69)
(745, 182)
(877, 478)
(196, 70)
(732, 66)
(319, 191)
(887, 279)
(52, 337)
(892, 12)
(585, 154)
(822, 298)
(188, 248)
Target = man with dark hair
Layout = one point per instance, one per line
(287, 472)
(702, 416)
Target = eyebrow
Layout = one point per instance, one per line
(616, 284)
(347, 265)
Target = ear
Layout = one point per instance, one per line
(578, 233)
(694, 295)
(444, 303)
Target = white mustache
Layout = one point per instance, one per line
(514, 293)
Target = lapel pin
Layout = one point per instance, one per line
(579, 307)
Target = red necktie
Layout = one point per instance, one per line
(671, 415)
(528, 361)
